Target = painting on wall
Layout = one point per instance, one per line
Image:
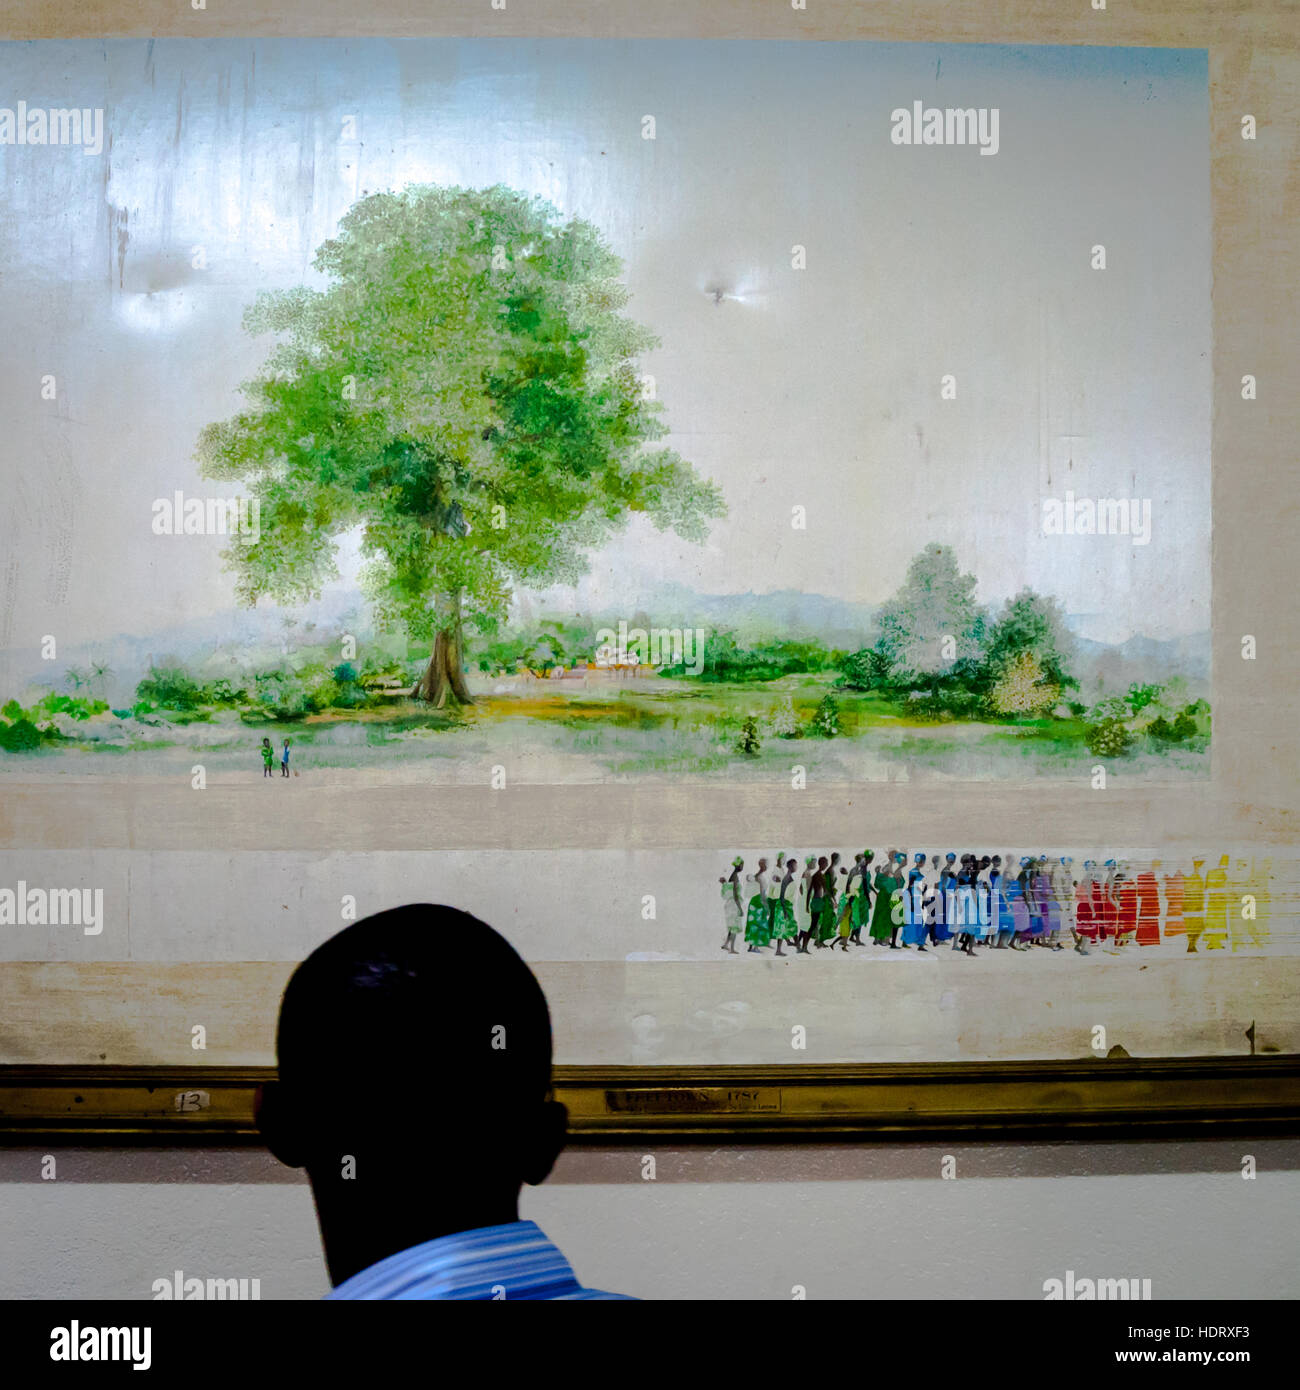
(586, 411)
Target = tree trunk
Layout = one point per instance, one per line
(444, 677)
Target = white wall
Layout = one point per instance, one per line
(844, 1222)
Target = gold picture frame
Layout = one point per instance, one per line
(1101, 1098)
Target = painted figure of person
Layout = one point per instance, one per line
(1148, 907)
(914, 926)
(804, 904)
(862, 902)
(733, 913)
(1126, 899)
(1216, 906)
(1174, 925)
(782, 921)
(268, 757)
(1086, 925)
(1000, 923)
(1194, 905)
(758, 918)
(828, 921)
(847, 902)
(817, 900)
(882, 919)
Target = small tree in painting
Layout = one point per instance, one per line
(826, 719)
(749, 742)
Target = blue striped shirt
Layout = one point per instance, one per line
(494, 1262)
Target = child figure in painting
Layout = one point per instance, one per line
(733, 913)
(268, 757)
(284, 759)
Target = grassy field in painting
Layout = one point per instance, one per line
(572, 731)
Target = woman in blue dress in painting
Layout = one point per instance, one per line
(914, 928)
(1035, 903)
(1001, 923)
(985, 923)
(1015, 888)
(946, 890)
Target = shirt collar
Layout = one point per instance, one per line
(511, 1261)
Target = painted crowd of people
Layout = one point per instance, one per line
(973, 901)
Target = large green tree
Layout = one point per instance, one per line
(465, 390)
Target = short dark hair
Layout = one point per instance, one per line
(409, 997)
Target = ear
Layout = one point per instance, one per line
(272, 1112)
(549, 1135)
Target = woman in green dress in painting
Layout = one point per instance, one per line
(783, 923)
(847, 911)
(758, 918)
(882, 918)
(827, 922)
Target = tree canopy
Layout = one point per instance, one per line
(466, 391)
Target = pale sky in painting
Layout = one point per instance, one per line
(818, 387)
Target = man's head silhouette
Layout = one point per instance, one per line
(414, 1082)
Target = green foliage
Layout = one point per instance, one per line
(749, 742)
(224, 692)
(867, 669)
(1031, 623)
(541, 647)
(292, 695)
(170, 687)
(74, 706)
(349, 693)
(826, 719)
(944, 703)
(1110, 738)
(1183, 727)
(19, 737)
(1140, 696)
(725, 659)
(1111, 708)
(482, 423)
